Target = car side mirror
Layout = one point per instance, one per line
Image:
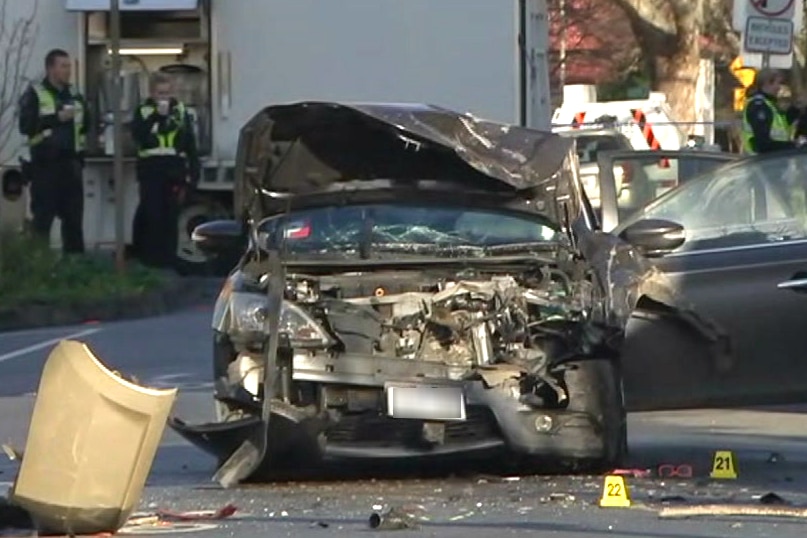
(654, 237)
(219, 237)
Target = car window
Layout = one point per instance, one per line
(640, 179)
(406, 228)
(755, 202)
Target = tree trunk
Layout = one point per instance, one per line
(669, 33)
(677, 71)
(677, 78)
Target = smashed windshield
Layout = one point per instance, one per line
(371, 230)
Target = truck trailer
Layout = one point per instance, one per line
(231, 58)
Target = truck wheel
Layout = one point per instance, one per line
(595, 387)
(190, 260)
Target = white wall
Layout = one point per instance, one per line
(455, 53)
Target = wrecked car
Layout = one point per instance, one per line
(415, 283)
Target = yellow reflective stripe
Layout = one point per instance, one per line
(47, 107)
(158, 151)
(47, 102)
(166, 141)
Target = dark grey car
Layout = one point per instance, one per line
(417, 284)
(742, 264)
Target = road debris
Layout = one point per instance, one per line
(91, 443)
(167, 521)
(773, 498)
(634, 473)
(393, 519)
(12, 452)
(731, 510)
(555, 497)
(198, 515)
(668, 470)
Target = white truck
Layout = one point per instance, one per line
(232, 57)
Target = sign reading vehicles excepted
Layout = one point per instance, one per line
(769, 36)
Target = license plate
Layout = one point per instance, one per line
(426, 403)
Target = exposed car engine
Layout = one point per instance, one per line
(512, 330)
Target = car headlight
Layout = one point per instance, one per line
(249, 313)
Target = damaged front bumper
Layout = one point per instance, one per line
(494, 418)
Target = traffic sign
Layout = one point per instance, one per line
(744, 74)
(739, 99)
(774, 9)
(768, 35)
(779, 9)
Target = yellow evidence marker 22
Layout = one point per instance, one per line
(615, 493)
(724, 465)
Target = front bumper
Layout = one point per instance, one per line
(495, 421)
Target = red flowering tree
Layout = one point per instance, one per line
(592, 42)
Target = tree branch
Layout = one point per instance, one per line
(650, 26)
(17, 39)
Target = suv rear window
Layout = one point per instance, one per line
(589, 145)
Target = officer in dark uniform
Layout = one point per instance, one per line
(53, 117)
(766, 127)
(167, 167)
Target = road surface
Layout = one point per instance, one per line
(175, 350)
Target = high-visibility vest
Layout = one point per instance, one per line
(781, 130)
(167, 141)
(47, 107)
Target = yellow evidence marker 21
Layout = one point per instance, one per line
(615, 493)
(724, 465)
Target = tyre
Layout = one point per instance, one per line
(595, 388)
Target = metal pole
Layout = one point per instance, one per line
(117, 133)
(766, 60)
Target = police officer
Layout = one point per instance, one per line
(167, 166)
(53, 117)
(766, 127)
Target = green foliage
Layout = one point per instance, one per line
(633, 85)
(32, 273)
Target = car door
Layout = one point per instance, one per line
(741, 267)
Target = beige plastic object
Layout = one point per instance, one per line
(91, 444)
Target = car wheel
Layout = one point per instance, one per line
(595, 387)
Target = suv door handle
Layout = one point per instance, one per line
(794, 284)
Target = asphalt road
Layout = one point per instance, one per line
(175, 351)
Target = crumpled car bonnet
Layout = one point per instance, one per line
(311, 147)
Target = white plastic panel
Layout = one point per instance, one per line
(131, 5)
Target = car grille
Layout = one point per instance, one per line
(371, 429)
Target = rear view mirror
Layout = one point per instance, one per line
(219, 237)
(654, 237)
